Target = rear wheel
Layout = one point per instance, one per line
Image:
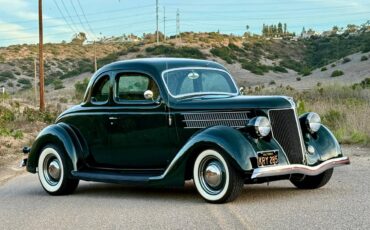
(215, 179)
(313, 182)
(53, 171)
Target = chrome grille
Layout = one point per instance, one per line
(285, 131)
(203, 120)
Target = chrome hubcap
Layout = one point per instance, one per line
(54, 169)
(213, 174)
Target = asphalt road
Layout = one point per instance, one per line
(344, 203)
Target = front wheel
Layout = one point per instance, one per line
(313, 182)
(53, 170)
(215, 179)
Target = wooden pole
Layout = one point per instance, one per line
(35, 79)
(95, 63)
(41, 59)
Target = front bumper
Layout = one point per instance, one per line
(299, 169)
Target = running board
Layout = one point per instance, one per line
(112, 177)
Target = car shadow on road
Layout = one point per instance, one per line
(250, 193)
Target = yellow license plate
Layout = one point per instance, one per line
(268, 158)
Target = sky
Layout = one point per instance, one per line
(98, 18)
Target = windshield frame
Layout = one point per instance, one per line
(199, 93)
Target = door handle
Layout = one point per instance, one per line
(112, 119)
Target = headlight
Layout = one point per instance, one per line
(261, 126)
(313, 122)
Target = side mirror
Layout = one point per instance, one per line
(241, 90)
(148, 95)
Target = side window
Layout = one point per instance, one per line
(131, 87)
(100, 92)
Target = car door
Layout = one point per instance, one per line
(92, 122)
(139, 129)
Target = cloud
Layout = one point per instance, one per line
(14, 33)
(24, 28)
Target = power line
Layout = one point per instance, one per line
(79, 19)
(66, 10)
(178, 34)
(164, 23)
(156, 10)
(87, 21)
(61, 13)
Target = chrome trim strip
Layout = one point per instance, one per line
(188, 94)
(206, 119)
(299, 169)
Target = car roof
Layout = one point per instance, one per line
(156, 66)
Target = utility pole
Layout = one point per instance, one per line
(178, 25)
(156, 3)
(41, 59)
(164, 23)
(95, 63)
(35, 79)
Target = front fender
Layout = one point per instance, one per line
(324, 142)
(238, 150)
(60, 134)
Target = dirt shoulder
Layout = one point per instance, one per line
(9, 168)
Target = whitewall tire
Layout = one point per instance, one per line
(215, 179)
(52, 171)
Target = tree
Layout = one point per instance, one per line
(280, 29)
(79, 38)
(303, 31)
(285, 29)
(335, 30)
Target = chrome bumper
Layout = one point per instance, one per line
(299, 169)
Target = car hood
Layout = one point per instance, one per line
(233, 102)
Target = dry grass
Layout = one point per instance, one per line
(343, 109)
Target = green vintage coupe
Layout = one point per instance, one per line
(162, 121)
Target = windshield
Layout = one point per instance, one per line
(198, 81)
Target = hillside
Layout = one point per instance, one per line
(301, 69)
(252, 60)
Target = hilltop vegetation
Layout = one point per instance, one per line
(256, 54)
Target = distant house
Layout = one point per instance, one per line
(309, 33)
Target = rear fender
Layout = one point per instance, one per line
(63, 136)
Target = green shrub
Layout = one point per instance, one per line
(10, 84)
(364, 84)
(80, 88)
(323, 69)
(169, 51)
(272, 82)
(333, 65)
(36, 115)
(58, 84)
(224, 53)
(255, 67)
(279, 69)
(63, 100)
(298, 79)
(346, 59)
(337, 73)
(24, 81)
(6, 115)
(305, 71)
(7, 75)
(333, 119)
(364, 58)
